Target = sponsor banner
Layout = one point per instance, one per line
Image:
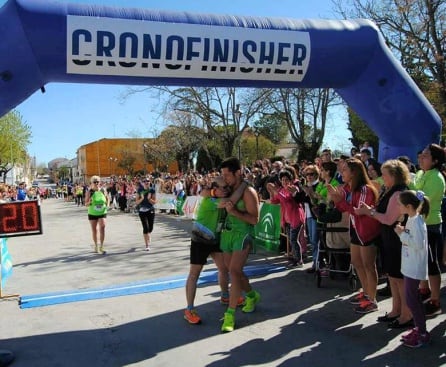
(267, 231)
(6, 261)
(125, 47)
(165, 201)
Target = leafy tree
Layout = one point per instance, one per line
(361, 132)
(224, 112)
(15, 135)
(42, 169)
(185, 138)
(304, 112)
(63, 173)
(415, 31)
(254, 148)
(127, 162)
(272, 127)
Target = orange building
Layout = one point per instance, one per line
(106, 157)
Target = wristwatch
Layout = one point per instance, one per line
(372, 212)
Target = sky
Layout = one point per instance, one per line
(68, 115)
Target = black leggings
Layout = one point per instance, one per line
(147, 219)
(435, 241)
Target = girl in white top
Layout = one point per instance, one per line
(414, 259)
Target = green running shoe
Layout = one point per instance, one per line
(228, 322)
(250, 302)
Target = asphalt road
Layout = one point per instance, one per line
(295, 324)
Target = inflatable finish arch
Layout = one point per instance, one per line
(44, 42)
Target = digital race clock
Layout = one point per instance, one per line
(20, 218)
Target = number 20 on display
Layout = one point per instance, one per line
(20, 218)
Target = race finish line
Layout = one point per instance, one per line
(146, 286)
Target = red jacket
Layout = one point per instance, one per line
(366, 227)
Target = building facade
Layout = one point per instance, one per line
(114, 157)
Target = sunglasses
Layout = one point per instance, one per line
(95, 182)
(145, 181)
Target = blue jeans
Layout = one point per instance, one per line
(293, 236)
(313, 237)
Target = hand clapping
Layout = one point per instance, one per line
(334, 193)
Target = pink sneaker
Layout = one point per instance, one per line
(416, 340)
(409, 334)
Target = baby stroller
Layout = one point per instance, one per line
(131, 204)
(334, 247)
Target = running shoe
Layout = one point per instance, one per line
(432, 309)
(416, 340)
(225, 301)
(228, 322)
(191, 316)
(424, 295)
(409, 334)
(366, 306)
(250, 303)
(357, 298)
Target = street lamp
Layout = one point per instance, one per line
(256, 133)
(237, 117)
(111, 166)
(145, 147)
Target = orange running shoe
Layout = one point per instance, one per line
(191, 316)
(225, 301)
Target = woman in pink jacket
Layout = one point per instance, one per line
(364, 230)
(292, 214)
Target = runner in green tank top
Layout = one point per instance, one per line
(210, 218)
(236, 240)
(97, 203)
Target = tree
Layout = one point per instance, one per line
(63, 173)
(272, 127)
(15, 135)
(127, 162)
(415, 31)
(256, 147)
(361, 132)
(304, 111)
(42, 169)
(224, 112)
(185, 138)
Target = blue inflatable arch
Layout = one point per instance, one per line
(44, 42)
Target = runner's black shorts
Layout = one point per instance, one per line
(96, 217)
(200, 252)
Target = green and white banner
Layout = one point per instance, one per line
(267, 231)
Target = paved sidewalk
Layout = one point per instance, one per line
(295, 324)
